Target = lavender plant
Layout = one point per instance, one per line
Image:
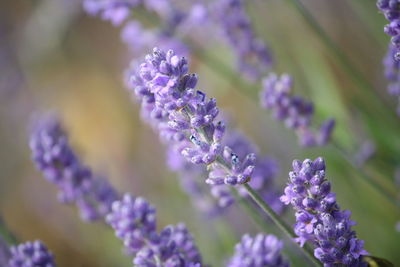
(134, 221)
(77, 184)
(392, 66)
(132, 218)
(391, 10)
(186, 120)
(319, 219)
(33, 254)
(263, 178)
(203, 151)
(296, 112)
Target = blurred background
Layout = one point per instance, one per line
(55, 57)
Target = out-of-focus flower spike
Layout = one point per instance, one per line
(134, 222)
(293, 110)
(259, 251)
(54, 157)
(31, 254)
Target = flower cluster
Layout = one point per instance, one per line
(253, 57)
(296, 112)
(53, 156)
(186, 118)
(319, 219)
(134, 222)
(391, 10)
(392, 73)
(262, 180)
(260, 251)
(33, 254)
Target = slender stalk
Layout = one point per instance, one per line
(279, 222)
(250, 210)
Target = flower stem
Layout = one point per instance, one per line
(279, 222)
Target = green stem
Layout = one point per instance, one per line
(279, 222)
(250, 210)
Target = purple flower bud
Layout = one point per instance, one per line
(260, 251)
(31, 254)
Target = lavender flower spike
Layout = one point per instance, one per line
(296, 112)
(392, 73)
(391, 10)
(53, 156)
(134, 221)
(33, 254)
(253, 57)
(319, 219)
(260, 251)
(186, 119)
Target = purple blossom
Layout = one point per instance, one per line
(391, 10)
(57, 161)
(392, 73)
(134, 222)
(296, 112)
(186, 118)
(260, 251)
(252, 55)
(319, 219)
(33, 254)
